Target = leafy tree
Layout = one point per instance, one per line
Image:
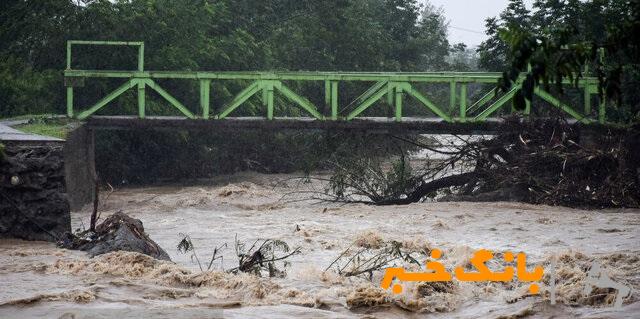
(30, 30)
(433, 30)
(495, 52)
(25, 91)
(566, 37)
(32, 37)
(462, 58)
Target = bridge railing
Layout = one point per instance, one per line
(394, 87)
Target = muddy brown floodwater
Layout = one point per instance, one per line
(41, 281)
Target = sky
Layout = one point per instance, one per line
(466, 17)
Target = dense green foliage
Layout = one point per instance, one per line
(338, 35)
(559, 39)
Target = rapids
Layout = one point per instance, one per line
(39, 280)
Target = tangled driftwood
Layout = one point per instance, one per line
(541, 162)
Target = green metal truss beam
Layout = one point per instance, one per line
(395, 86)
(331, 97)
(175, 103)
(242, 97)
(371, 91)
(427, 103)
(110, 97)
(301, 101)
(562, 106)
(482, 101)
(367, 103)
(497, 104)
(456, 77)
(205, 97)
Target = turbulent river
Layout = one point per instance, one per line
(41, 281)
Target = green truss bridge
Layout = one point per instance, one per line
(387, 93)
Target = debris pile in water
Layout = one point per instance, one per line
(367, 297)
(553, 163)
(572, 271)
(369, 239)
(264, 256)
(572, 285)
(76, 295)
(369, 253)
(117, 232)
(540, 162)
(132, 265)
(427, 297)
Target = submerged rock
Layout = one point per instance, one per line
(118, 232)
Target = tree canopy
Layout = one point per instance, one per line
(564, 39)
(221, 35)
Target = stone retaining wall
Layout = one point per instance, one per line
(33, 200)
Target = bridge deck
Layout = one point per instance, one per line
(370, 124)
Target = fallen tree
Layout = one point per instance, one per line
(541, 162)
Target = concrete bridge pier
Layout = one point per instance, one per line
(80, 170)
